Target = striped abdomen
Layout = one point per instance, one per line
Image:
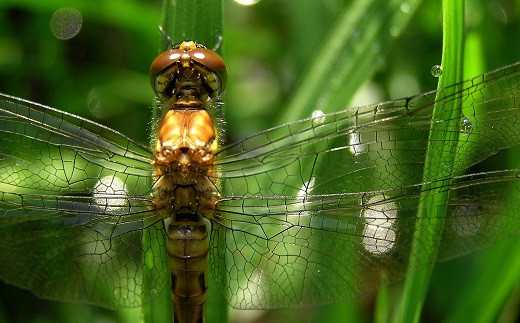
(188, 247)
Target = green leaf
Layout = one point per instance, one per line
(363, 33)
(197, 20)
(440, 159)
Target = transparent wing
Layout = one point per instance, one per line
(324, 209)
(47, 150)
(75, 215)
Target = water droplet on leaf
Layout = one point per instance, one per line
(436, 70)
(466, 127)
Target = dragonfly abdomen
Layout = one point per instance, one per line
(188, 248)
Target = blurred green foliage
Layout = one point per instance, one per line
(102, 74)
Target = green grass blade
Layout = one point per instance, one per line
(363, 34)
(496, 276)
(500, 290)
(382, 308)
(440, 155)
(197, 20)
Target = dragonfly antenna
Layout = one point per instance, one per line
(168, 38)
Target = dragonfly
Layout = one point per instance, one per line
(310, 212)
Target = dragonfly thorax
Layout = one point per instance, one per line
(184, 149)
(186, 133)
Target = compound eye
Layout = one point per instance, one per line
(212, 61)
(164, 60)
(162, 72)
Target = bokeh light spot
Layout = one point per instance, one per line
(66, 23)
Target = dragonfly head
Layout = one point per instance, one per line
(191, 70)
